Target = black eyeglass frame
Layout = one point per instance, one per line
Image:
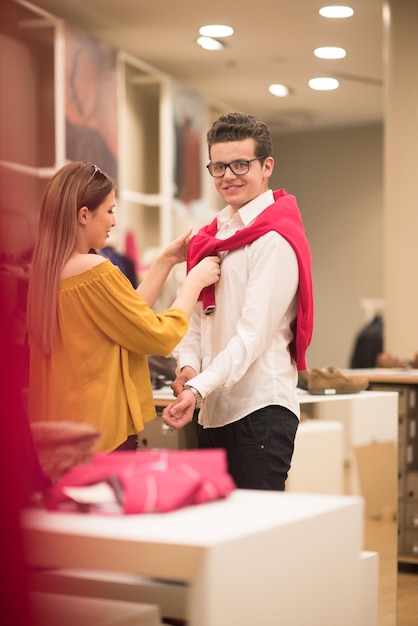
(225, 165)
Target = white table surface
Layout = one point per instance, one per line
(245, 559)
(304, 397)
(242, 514)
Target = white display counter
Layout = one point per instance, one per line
(368, 417)
(326, 460)
(55, 609)
(370, 443)
(317, 462)
(255, 558)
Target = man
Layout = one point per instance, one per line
(238, 363)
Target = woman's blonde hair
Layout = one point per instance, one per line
(75, 185)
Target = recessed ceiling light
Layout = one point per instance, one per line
(330, 52)
(281, 91)
(210, 44)
(216, 30)
(323, 84)
(336, 11)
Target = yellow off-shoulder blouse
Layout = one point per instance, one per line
(98, 371)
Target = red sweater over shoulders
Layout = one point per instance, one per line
(283, 216)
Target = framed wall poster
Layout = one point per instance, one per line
(190, 119)
(91, 101)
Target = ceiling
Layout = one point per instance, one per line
(272, 43)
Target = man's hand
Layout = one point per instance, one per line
(185, 375)
(180, 412)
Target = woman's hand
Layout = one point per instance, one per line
(175, 252)
(206, 272)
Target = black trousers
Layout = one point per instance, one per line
(259, 447)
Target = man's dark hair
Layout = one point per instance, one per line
(239, 126)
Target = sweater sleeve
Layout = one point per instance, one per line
(108, 300)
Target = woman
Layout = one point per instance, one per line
(90, 332)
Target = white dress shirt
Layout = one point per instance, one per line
(242, 349)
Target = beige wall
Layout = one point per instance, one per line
(400, 186)
(336, 177)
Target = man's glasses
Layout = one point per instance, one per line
(217, 170)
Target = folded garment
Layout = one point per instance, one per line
(146, 481)
(62, 445)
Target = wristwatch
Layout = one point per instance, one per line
(197, 395)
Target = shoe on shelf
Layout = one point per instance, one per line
(303, 377)
(414, 362)
(330, 380)
(389, 361)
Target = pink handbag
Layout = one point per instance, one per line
(148, 481)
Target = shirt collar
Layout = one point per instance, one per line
(249, 211)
